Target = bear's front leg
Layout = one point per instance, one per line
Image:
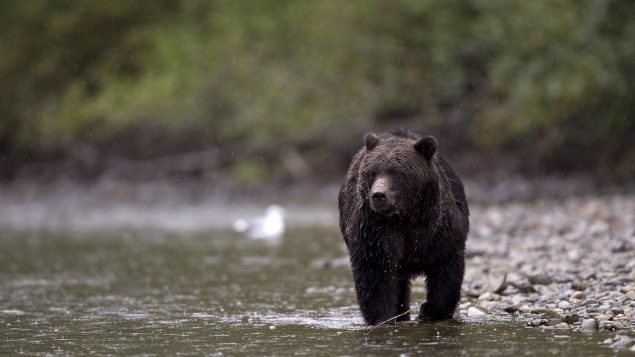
(376, 289)
(403, 299)
(443, 289)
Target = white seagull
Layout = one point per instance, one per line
(269, 227)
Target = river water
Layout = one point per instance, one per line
(153, 291)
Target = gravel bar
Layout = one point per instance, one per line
(558, 264)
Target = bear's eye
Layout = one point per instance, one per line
(396, 175)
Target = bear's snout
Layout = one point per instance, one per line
(381, 200)
(379, 196)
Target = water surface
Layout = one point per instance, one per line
(144, 291)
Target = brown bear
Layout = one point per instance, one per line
(403, 213)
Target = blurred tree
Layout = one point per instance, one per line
(141, 79)
(57, 55)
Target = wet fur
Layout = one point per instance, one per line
(427, 236)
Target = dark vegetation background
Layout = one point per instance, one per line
(255, 92)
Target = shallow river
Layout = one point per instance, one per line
(146, 291)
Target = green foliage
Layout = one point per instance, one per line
(273, 74)
(248, 172)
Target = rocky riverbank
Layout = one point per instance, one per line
(567, 264)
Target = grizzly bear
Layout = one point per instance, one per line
(403, 213)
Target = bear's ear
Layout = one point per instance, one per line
(370, 140)
(426, 146)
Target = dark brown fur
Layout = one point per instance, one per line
(420, 227)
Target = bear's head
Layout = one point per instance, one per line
(398, 172)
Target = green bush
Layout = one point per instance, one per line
(270, 75)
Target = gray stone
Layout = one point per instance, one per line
(620, 247)
(617, 311)
(589, 275)
(589, 301)
(551, 315)
(571, 318)
(510, 309)
(603, 308)
(606, 325)
(602, 318)
(537, 322)
(488, 296)
(589, 325)
(621, 324)
(539, 279)
(578, 295)
(623, 342)
(578, 285)
(554, 322)
(534, 310)
(617, 303)
(475, 312)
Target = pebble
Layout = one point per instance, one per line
(620, 247)
(589, 325)
(510, 309)
(578, 295)
(488, 296)
(620, 324)
(602, 318)
(518, 299)
(562, 326)
(475, 312)
(571, 318)
(552, 314)
(606, 325)
(578, 285)
(588, 276)
(589, 286)
(554, 322)
(533, 310)
(617, 311)
(623, 342)
(537, 322)
(539, 279)
(589, 301)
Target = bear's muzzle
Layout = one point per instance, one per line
(380, 197)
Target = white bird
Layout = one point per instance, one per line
(269, 227)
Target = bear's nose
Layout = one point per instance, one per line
(379, 196)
